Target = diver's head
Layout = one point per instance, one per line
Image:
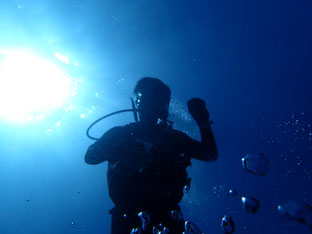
(152, 99)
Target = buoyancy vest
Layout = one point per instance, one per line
(147, 174)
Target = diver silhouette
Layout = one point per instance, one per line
(147, 161)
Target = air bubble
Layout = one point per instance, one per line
(257, 164)
(177, 216)
(250, 204)
(145, 219)
(135, 231)
(227, 224)
(232, 192)
(300, 212)
(191, 228)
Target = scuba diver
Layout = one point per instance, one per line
(147, 161)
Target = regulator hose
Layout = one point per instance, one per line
(106, 116)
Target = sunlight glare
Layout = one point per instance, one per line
(30, 86)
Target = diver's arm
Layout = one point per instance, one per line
(208, 148)
(101, 150)
(205, 150)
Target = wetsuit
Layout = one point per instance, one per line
(146, 172)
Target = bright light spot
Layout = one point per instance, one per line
(30, 86)
(82, 116)
(58, 123)
(61, 57)
(40, 116)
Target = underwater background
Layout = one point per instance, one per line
(249, 60)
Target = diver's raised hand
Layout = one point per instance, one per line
(197, 108)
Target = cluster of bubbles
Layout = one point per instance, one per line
(73, 224)
(299, 129)
(296, 128)
(182, 118)
(295, 135)
(220, 190)
(290, 136)
(258, 164)
(189, 227)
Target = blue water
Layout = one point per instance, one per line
(249, 60)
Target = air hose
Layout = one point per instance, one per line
(106, 116)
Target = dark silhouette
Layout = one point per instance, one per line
(147, 160)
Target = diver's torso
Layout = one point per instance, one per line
(148, 169)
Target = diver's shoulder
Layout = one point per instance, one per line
(123, 127)
(130, 125)
(127, 127)
(116, 128)
(113, 130)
